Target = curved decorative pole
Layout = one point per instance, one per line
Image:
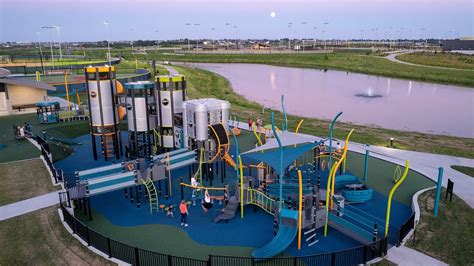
(237, 164)
(330, 137)
(281, 161)
(284, 112)
(392, 191)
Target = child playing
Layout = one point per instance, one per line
(170, 211)
(206, 205)
(183, 209)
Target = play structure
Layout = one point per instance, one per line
(178, 149)
(48, 112)
(103, 95)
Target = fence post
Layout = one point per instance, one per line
(109, 249)
(333, 259)
(209, 261)
(137, 259)
(294, 261)
(170, 260)
(88, 236)
(365, 253)
(73, 226)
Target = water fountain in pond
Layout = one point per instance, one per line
(369, 93)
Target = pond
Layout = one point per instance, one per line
(364, 99)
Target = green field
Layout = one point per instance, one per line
(23, 179)
(449, 236)
(23, 149)
(202, 83)
(451, 60)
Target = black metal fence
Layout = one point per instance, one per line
(46, 153)
(406, 228)
(137, 256)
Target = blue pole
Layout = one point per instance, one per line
(366, 163)
(284, 112)
(438, 190)
(330, 138)
(281, 160)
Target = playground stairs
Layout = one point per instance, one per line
(310, 236)
(152, 194)
(108, 146)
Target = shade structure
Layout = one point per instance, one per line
(272, 156)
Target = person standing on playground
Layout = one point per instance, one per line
(183, 209)
(250, 123)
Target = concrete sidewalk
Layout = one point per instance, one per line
(28, 205)
(406, 256)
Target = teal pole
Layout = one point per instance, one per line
(366, 163)
(284, 112)
(281, 160)
(438, 190)
(330, 138)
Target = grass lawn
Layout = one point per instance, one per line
(451, 60)
(23, 149)
(464, 169)
(448, 237)
(24, 179)
(39, 238)
(354, 62)
(202, 83)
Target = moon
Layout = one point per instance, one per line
(273, 14)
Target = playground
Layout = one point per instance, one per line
(257, 190)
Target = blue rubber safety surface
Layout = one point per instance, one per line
(255, 230)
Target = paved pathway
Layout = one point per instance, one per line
(28, 205)
(406, 256)
(392, 57)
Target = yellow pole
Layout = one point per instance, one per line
(256, 135)
(241, 190)
(331, 178)
(78, 98)
(300, 208)
(67, 90)
(169, 174)
(38, 76)
(298, 126)
(390, 196)
(136, 64)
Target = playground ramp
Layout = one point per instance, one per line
(287, 232)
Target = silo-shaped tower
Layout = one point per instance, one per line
(102, 93)
(170, 94)
(140, 104)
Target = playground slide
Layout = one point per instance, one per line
(287, 232)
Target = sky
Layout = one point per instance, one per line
(83, 20)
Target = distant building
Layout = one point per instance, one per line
(466, 43)
(260, 46)
(18, 93)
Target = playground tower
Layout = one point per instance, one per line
(169, 95)
(103, 94)
(206, 122)
(140, 103)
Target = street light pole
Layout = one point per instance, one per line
(212, 40)
(50, 44)
(289, 35)
(106, 23)
(189, 45)
(324, 24)
(197, 39)
(41, 51)
(314, 38)
(59, 42)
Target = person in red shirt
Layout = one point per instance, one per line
(183, 209)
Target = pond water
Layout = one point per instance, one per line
(364, 99)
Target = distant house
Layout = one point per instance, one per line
(260, 46)
(18, 93)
